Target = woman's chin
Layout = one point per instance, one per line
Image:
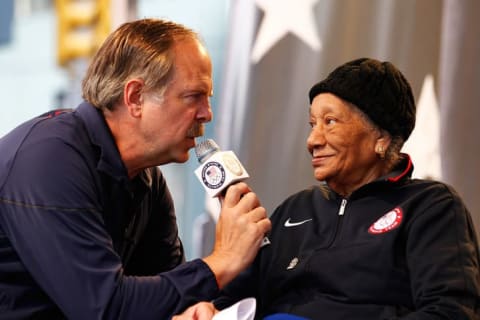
(320, 174)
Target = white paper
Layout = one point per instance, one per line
(242, 310)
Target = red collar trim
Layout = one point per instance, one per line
(406, 171)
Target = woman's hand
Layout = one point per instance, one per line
(199, 311)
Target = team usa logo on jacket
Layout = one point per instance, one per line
(387, 222)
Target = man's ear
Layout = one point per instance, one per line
(133, 96)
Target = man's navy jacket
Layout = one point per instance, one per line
(78, 239)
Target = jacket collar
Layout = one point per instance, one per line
(110, 160)
(402, 171)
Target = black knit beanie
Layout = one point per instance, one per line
(377, 88)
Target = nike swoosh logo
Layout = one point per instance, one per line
(294, 224)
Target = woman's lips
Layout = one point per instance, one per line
(319, 160)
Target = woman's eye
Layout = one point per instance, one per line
(330, 121)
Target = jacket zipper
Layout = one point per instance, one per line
(341, 211)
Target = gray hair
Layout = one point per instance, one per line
(141, 48)
(392, 154)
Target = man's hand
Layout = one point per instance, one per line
(199, 311)
(241, 227)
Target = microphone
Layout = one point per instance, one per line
(218, 169)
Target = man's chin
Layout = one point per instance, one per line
(182, 158)
(183, 154)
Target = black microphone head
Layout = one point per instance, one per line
(205, 148)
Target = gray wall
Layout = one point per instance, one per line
(264, 105)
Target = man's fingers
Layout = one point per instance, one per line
(257, 214)
(249, 201)
(234, 193)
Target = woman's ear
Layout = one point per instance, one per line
(383, 142)
(133, 96)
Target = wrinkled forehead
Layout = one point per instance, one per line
(325, 103)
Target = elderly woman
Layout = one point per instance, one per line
(369, 242)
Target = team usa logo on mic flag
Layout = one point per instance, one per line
(213, 175)
(232, 164)
(218, 169)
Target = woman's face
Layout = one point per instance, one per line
(342, 144)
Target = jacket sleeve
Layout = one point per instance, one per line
(443, 260)
(243, 286)
(50, 214)
(253, 282)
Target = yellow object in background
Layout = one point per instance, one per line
(82, 26)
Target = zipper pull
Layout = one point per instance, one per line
(341, 211)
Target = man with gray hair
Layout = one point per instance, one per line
(87, 223)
